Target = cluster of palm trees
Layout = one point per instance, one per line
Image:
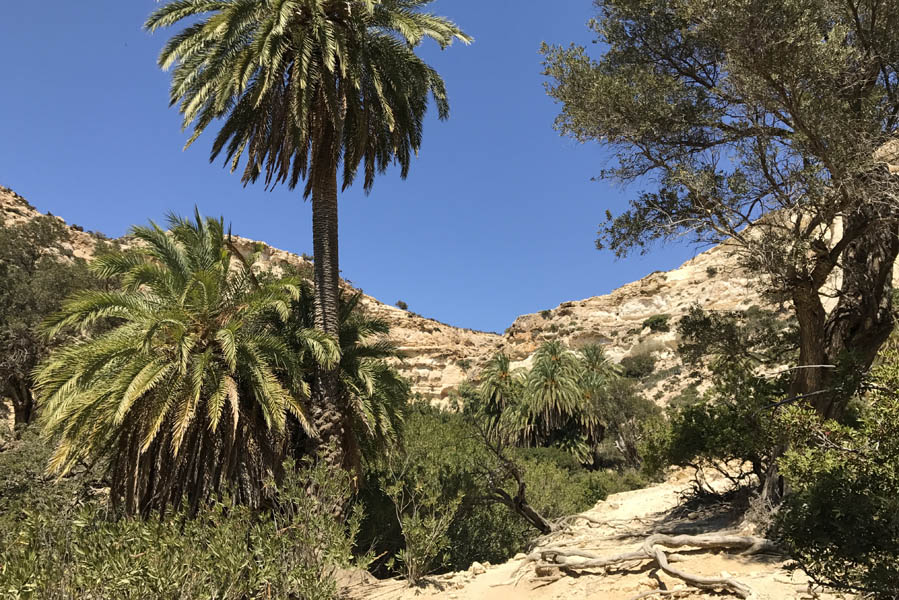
(573, 400)
(194, 377)
(301, 88)
(197, 375)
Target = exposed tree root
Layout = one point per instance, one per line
(566, 558)
(661, 593)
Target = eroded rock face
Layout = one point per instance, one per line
(439, 357)
(712, 279)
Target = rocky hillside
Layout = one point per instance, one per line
(712, 279)
(439, 357)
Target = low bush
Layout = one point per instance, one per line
(67, 544)
(841, 520)
(658, 323)
(729, 424)
(638, 366)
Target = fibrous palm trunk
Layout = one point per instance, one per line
(327, 411)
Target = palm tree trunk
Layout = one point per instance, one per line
(327, 411)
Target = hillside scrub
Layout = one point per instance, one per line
(638, 366)
(658, 323)
(64, 540)
(37, 270)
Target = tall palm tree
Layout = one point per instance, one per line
(178, 390)
(302, 86)
(500, 393)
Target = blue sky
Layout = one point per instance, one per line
(497, 218)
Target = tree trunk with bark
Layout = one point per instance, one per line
(327, 411)
(837, 349)
(863, 318)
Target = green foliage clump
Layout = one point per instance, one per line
(402, 305)
(638, 366)
(732, 422)
(62, 541)
(187, 390)
(36, 273)
(752, 336)
(546, 313)
(577, 401)
(841, 520)
(192, 377)
(429, 506)
(658, 323)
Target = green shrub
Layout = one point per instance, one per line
(687, 396)
(546, 314)
(445, 462)
(638, 366)
(729, 424)
(464, 364)
(402, 305)
(73, 548)
(33, 282)
(841, 521)
(658, 323)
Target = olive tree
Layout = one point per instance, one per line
(767, 125)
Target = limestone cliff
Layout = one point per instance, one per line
(438, 357)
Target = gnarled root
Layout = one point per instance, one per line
(576, 558)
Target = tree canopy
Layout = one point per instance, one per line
(766, 124)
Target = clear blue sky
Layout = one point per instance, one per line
(497, 218)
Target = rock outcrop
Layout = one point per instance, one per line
(438, 357)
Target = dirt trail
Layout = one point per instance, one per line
(617, 525)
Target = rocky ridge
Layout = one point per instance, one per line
(439, 357)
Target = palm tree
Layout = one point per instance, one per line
(560, 410)
(373, 391)
(178, 389)
(302, 86)
(500, 393)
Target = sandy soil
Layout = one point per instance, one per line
(623, 521)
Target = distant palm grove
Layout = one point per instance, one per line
(190, 421)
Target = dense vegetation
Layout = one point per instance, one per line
(37, 270)
(58, 539)
(177, 396)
